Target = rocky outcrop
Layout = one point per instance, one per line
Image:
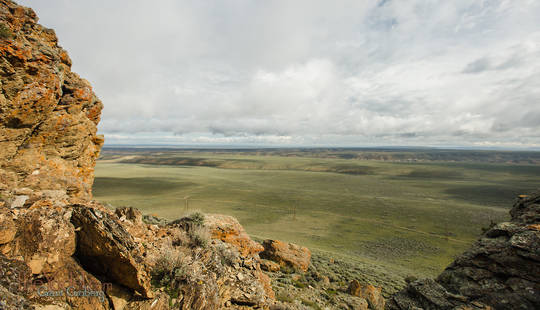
(58, 249)
(227, 229)
(500, 271)
(107, 249)
(90, 248)
(287, 254)
(48, 114)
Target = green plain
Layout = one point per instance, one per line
(405, 218)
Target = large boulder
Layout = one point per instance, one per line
(105, 248)
(287, 254)
(227, 229)
(48, 114)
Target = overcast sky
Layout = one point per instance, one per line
(309, 73)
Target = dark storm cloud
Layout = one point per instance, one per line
(308, 72)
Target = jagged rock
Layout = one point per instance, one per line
(48, 114)
(372, 294)
(287, 254)
(45, 239)
(132, 220)
(119, 296)
(227, 229)
(130, 214)
(106, 248)
(74, 282)
(269, 265)
(501, 270)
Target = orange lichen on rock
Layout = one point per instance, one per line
(287, 254)
(227, 229)
(48, 114)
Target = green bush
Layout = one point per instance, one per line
(5, 32)
(197, 218)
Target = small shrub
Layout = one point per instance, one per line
(5, 32)
(197, 218)
(169, 270)
(200, 236)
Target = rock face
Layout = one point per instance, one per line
(107, 249)
(287, 254)
(48, 114)
(501, 270)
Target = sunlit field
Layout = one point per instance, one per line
(403, 217)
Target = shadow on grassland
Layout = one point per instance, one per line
(433, 174)
(488, 195)
(106, 186)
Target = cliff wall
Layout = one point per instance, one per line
(48, 114)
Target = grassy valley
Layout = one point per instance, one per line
(394, 215)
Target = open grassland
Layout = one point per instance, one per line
(401, 218)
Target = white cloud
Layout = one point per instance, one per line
(308, 72)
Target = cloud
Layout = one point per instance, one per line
(479, 65)
(308, 72)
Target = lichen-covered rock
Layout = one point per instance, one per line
(46, 239)
(106, 248)
(372, 294)
(287, 254)
(48, 114)
(227, 229)
(501, 270)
